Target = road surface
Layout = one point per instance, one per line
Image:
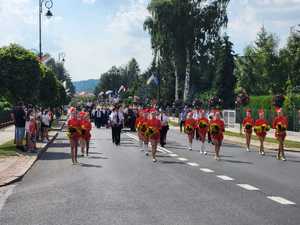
(121, 186)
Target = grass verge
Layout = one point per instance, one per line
(287, 143)
(8, 149)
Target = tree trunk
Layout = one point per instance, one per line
(186, 92)
(176, 81)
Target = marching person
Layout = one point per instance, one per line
(261, 128)
(203, 125)
(217, 128)
(164, 119)
(73, 134)
(153, 132)
(190, 126)
(98, 117)
(141, 128)
(182, 118)
(116, 121)
(81, 140)
(86, 127)
(248, 124)
(143, 131)
(280, 124)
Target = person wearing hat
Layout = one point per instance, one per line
(280, 124)
(261, 128)
(73, 133)
(217, 129)
(190, 126)
(203, 125)
(86, 128)
(153, 132)
(248, 124)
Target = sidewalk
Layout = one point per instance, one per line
(14, 168)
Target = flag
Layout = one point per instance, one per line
(154, 79)
(122, 88)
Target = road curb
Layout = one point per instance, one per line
(30, 163)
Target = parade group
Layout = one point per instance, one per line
(152, 126)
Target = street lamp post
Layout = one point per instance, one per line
(48, 5)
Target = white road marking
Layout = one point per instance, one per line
(5, 192)
(166, 150)
(223, 177)
(173, 155)
(281, 200)
(248, 187)
(206, 170)
(193, 164)
(182, 159)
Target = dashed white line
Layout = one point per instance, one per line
(192, 164)
(281, 200)
(206, 170)
(248, 187)
(173, 155)
(223, 177)
(182, 159)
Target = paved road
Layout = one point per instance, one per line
(119, 185)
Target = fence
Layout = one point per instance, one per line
(5, 119)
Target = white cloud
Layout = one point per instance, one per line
(121, 39)
(89, 1)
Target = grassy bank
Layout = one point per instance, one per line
(8, 149)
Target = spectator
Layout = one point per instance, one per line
(19, 118)
(32, 131)
(45, 125)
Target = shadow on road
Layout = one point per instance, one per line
(97, 157)
(90, 165)
(55, 156)
(171, 162)
(235, 161)
(60, 145)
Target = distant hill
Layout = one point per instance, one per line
(86, 85)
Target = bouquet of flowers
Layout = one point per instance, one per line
(71, 131)
(265, 127)
(215, 129)
(151, 131)
(188, 129)
(280, 127)
(257, 129)
(203, 124)
(278, 100)
(248, 126)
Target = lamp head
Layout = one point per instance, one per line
(49, 14)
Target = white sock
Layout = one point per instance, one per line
(203, 147)
(190, 145)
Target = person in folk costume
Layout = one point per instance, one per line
(217, 129)
(203, 125)
(86, 128)
(248, 124)
(73, 133)
(81, 138)
(280, 124)
(196, 116)
(164, 119)
(139, 125)
(261, 128)
(190, 126)
(144, 129)
(153, 132)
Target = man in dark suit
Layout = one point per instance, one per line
(98, 117)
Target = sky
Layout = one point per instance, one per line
(98, 34)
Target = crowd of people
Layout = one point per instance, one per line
(32, 124)
(152, 127)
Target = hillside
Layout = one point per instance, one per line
(86, 85)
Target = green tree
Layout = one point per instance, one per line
(48, 88)
(20, 74)
(225, 80)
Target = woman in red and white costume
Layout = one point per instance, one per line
(217, 129)
(280, 124)
(73, 133)
(261, 128)
(248, 124)
(203, 125)
(155, 124)
(190, 126)
(138, 123)
(86, 127)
